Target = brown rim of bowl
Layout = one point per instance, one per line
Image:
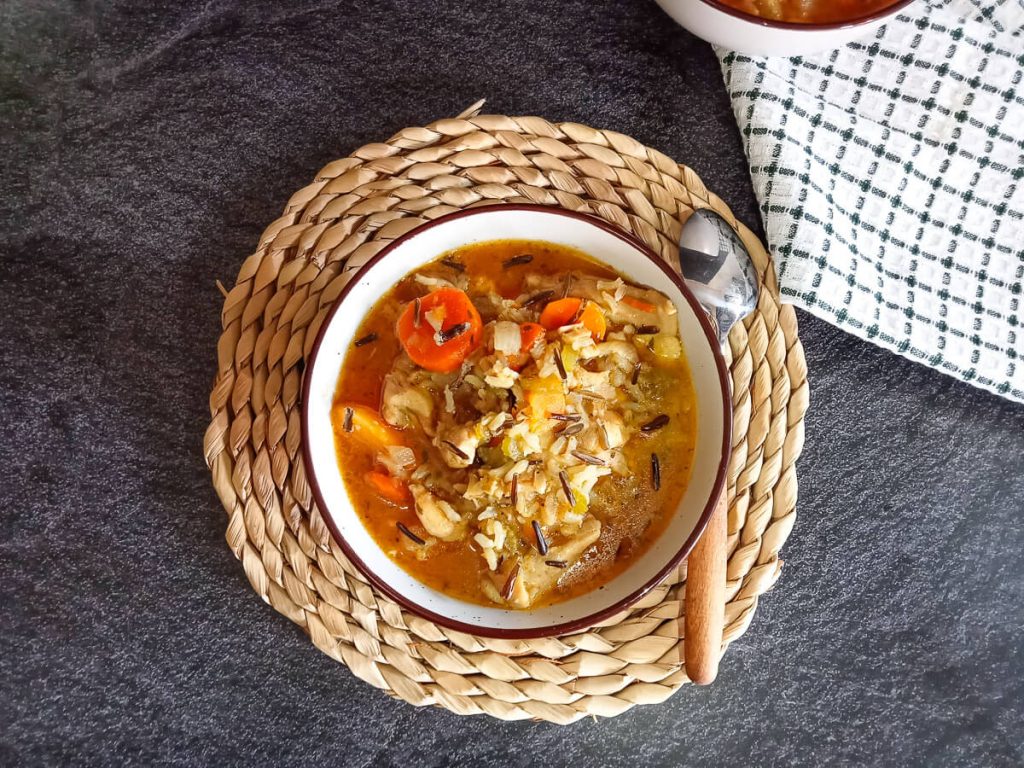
(889, 10)
(620, 605)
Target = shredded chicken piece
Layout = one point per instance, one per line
(401, 401)
(621, 354)
(437, 515)
(535, 577)
(596, 382)
(458, 444)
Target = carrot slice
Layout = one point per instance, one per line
(457, 314)
(389, 487)
(365, 425)
(529, 334)
(562, 312)
(643, 306)
(559, 312)
(593, 320)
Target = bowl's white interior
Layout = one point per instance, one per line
(428, 244)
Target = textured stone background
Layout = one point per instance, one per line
(142, 152)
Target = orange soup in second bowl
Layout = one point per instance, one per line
(810, 11)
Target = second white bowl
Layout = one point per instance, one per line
(730, 28)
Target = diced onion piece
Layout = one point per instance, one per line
(435, 317)
(401, 455)
(507, 337)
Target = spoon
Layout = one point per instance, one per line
(719, 271)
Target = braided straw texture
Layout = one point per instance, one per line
(328, 229)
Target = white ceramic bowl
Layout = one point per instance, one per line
(424, 244)
(730, 28)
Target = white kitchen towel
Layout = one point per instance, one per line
(890, 175)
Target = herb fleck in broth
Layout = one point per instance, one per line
(466, 481)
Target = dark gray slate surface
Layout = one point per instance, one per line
(144, 150)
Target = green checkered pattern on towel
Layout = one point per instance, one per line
(890, 176)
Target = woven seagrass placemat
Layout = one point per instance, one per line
(329, 228)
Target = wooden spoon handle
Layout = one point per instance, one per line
(705, 598)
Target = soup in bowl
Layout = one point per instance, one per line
(516, 421)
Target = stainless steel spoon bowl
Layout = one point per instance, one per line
(718, 269)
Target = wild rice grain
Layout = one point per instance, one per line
(453, 264)
(516, 261)
(456, 450)
(555, 563)
(572, 428)
(506, 591)
(367, 339)
(542, 543)
(565, 416)
(514, 493)
(347, 424)
(588, 458)
(655, 424)
(655, 472)
(560, 365)
(409, 534)
(636, 373)
(453, 332)
(647, 330)
(537, 298)
(566, 488)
